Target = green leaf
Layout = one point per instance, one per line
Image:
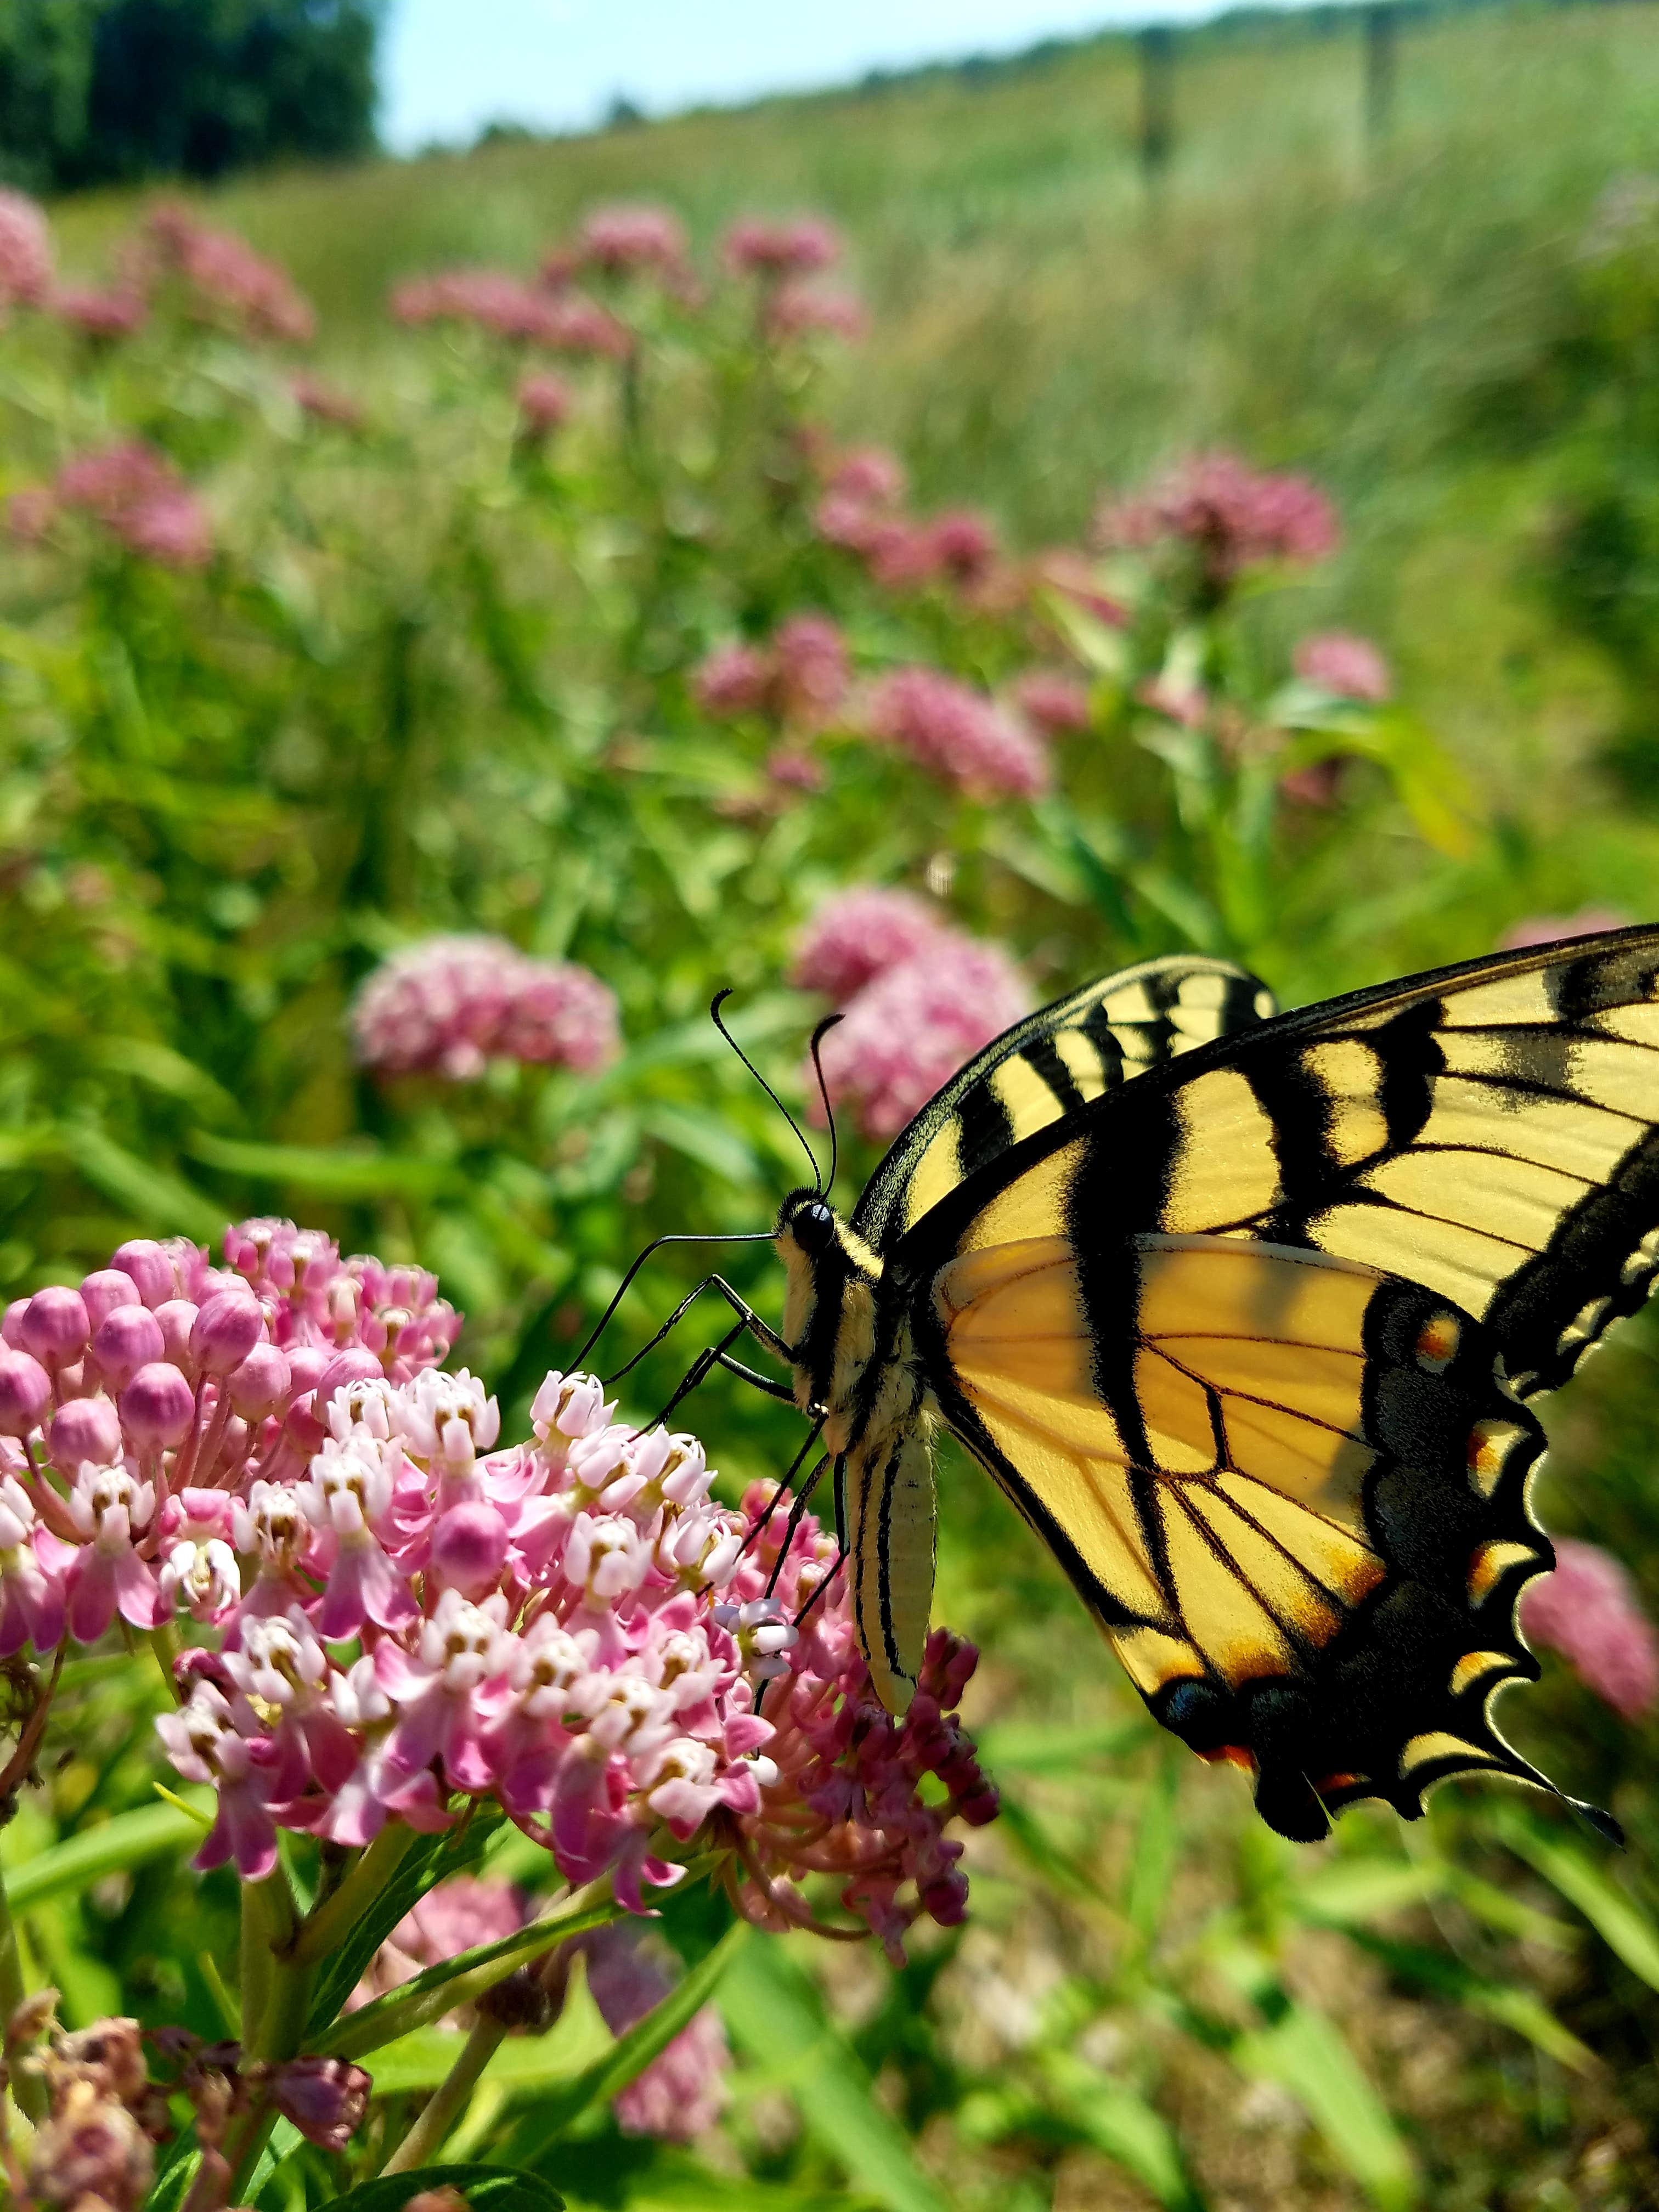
(1352, 1890)
(322, 1173)
(704, 1138)
(147, 1192)
(110, 1847)
(428, 1994)
(1304, 2052)
(485, 2188)
(1615, 1916)
(1038, 1748)
(577, 2040)
(1443, 1974)
(1121, 2123)
(629, 2055)
(432, 1860)
(775, 2015)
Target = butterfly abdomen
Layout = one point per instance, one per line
(892, 1521)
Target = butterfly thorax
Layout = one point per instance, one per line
(855, 1364)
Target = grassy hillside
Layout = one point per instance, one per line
(1040, 329)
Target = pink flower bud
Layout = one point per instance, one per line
(149, 1265)
(177, 1319)
(345, 1367)
(12, 1328)
(469, 1548)
(86, 1428)
(306, 1363)
(54, 1326)
(25, 1393)
(104, 1290)
(128, 1338)
(324, 2097)
(262, 1382)
(226, 1330)
(158, 1405)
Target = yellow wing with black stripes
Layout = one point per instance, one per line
(1046, 1067)
(1250, 1342)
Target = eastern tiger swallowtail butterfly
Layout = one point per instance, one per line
(1246, 1312)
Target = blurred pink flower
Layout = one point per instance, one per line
(910, 1028)
(869, 475)
(626, 237)
(100, 314)
(1348, 667)
(229, 282)
(963, 544)
(801, 678)
(955, 733)
(579, 325)
(1072, 573)
(1186, 703)
(1588, 1610)
(793, 768)
(1058, 704)
(25, 250)
(755, 246)
(139, 497)
(323, 402)
(448, 1004)
(545, 403)
(798, 311)
(491, 300)
(1547, 928)
(856, 935)
(1232, 517)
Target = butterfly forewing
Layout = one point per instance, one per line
(1248, 1342)
(1048, 1067)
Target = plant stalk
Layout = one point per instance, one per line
(29, 2093)
(366, 1879)
(443, 2107)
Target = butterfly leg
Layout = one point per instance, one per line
(797, 1515)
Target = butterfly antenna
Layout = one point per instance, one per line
(818, 1035)
(722, 1237)
(719, 1000)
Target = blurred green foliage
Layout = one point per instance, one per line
(435, 677)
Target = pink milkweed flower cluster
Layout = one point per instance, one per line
(803, 311)
(136, 494)
(228, 281)
(1058, 704)
(449, 1005)
(114, 313)
(545, 403)
(1588, 1610)
(1548, 929)
(843, 1794)
(958, 734)
(628, 238)
(25, 250)
(800, 677)
(776, 250)
(918, 998)
(1346, 667)
(491, 300)
(135, 1409)
(860, 511)
(1228, 516)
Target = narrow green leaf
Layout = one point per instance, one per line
(149, 1192)
(1616, 1916)
(1121, 2123)
(704, 1138)
(430, 1994)
(323, 1173)
(577, 2040)
(1359, 1889)
(111, 1847)
(1304, 2052)
(432, 1860)
(776, 2016)
(1445, 1975)
(483, 2188)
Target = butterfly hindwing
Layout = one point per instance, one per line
(1248, 1341)
(1050, 1066)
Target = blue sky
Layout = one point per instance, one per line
(450, 65)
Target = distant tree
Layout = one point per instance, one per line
(111, 91)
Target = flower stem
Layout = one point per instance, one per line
(29, 2093)
(168, 1644)
(276, 1998)
(361, 1885)
(442, 2109)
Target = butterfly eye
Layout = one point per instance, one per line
(814, 1227)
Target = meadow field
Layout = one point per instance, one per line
(516, 594)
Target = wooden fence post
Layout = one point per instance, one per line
(1382, 59)
(1157, 44)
